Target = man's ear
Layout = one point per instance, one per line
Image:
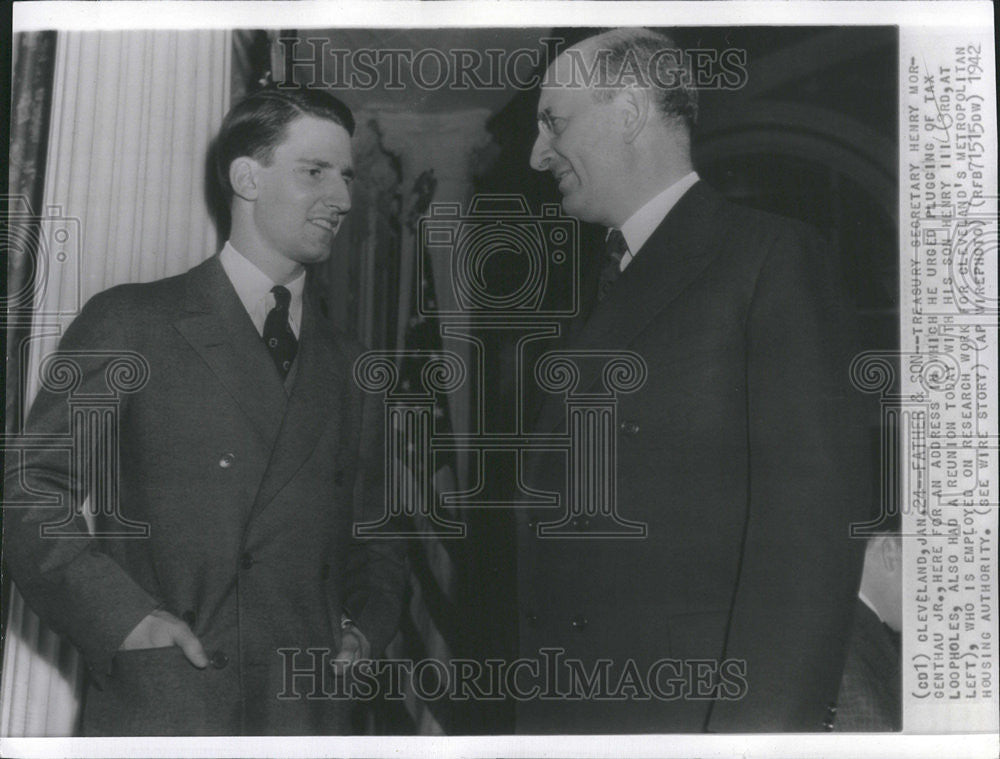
(243, 177)
(635, 110)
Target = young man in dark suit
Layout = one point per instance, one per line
(742, 453)
(249, 453)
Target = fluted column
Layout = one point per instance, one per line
(124, 201)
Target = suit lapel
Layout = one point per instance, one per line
(219, 329)
(674, 255)
(314, 401)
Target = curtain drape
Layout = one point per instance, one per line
(33, 58)
(31, 93)
(132, 117)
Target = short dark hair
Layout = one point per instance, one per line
(256, 125)
(642, 47)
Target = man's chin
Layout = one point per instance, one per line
(568, 205)
(310, 257)
(572, 206)
(319, 258)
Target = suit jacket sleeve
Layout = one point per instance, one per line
(377, 567)
(869, 700)
(69, 581)
(808, 445)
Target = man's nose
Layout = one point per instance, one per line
(541, 153)
(338, 196)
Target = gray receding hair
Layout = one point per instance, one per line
(637, 56)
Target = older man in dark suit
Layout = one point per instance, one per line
(249, 454)
(870, 697)
(743, 453)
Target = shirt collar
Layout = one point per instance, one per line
(254, 287)
(641, 225)
(870, 605)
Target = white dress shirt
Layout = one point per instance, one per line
(644, 222)
(870, 605)
(254, 289)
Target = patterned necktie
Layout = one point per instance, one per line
(278, 335)
(615, 249)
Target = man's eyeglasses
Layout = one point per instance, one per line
(551, 126)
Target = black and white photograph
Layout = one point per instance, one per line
(500, 379)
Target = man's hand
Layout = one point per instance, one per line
(161, 629)
(354, 646)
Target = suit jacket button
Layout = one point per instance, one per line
(246, 560)
(629, 427)
(580, 623)
(219, 660)
(227, 460)
(531, 617)
(189, 617)
(828, 725)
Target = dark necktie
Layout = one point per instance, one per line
(278, 335)
(615, 249)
